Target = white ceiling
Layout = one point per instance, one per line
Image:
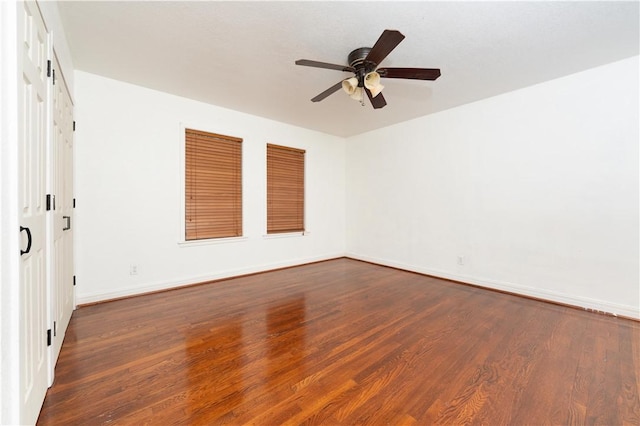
(240, 55)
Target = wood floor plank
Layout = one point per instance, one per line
(343, 342)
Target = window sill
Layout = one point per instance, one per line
(286, 235)
(211, 241)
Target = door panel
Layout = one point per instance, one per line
(62, 290)
(32, 175)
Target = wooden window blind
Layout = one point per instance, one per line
(213, 185)
(285, 189)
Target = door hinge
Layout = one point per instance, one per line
(74, 125)
(54, 76)
(51, 202)
(49, 337)
(74, 280)
(55, 331)
(48, 68)
(74, 203)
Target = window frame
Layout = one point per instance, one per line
(270, 233)
(182, 226)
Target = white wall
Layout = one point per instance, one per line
(537, 189)
(128, 186)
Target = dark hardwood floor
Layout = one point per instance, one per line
(343, 342)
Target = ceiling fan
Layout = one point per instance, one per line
(363, 62)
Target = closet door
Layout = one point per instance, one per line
(32, 138)
(61, 285)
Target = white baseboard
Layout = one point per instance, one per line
(166, 285)
(548, 295)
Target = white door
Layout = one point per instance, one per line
(32, 137)
(61, 205)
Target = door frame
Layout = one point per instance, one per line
(9, 219)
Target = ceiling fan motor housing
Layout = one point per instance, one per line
(356, 60)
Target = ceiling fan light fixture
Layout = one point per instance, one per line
(372, 82)
(350, 86)
(358, 94)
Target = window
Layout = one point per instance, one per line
(213, 185)
(285, 189)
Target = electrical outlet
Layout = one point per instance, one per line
(133, 269)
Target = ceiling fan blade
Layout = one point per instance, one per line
(385, 44)
(316, 64)
(378, 101)
(411, 73)
(331, 90)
